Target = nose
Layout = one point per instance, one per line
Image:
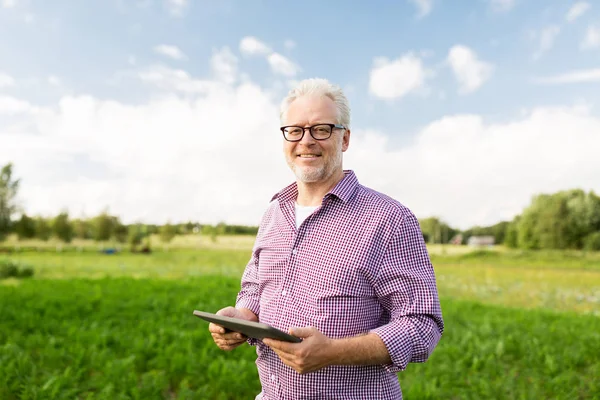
(307, 138)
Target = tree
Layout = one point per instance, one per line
(120, 231)
(563, 220)
(103, 226)
(167, 232)
(25, 227)
(8, 194)
(135, 236)
(42, 229)
(62, 227)
(592, 241)
(511, 234)
(83, 229)
(435, 230)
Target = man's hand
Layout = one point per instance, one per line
(312, 354)
(230, 340)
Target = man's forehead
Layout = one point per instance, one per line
(312, 108)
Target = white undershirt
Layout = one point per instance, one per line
(302, 212)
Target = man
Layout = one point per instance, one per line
(337, 264)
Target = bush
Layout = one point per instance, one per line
(592, 241)
(12, 269)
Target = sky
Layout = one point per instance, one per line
(168, 110)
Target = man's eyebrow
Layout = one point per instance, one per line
(314, 123)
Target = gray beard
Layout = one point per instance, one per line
(309, 175)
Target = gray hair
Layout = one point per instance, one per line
(319, 87)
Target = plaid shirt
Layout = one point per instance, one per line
(357, 265)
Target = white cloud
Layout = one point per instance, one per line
(394, 79)
(252, 46)
(591, 39)
(424, 7)
(278, 63)
(174, 80)
(209, 151)
(577, 10)
(11, 106)
(224, 65)
(6, 80)
(177, 7)
(545, 39)
(502, 5)
(470, 72)
(478, 173)
(580, 76)
(170, 51)
(282, 65)
(9, 3)
(202, 157)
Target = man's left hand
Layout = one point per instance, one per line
(312, 354)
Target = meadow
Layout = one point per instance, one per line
(519, 325)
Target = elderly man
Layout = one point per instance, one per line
(337, 264)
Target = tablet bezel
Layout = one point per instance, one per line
(251, 329)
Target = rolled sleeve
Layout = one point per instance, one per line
(249, 294)
(407, 290)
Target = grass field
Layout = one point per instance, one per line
(92, 326)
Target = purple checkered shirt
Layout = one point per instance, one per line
(357, 265)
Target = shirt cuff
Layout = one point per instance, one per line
(398, 342)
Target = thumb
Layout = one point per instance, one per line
(303, 332)
(227, 312)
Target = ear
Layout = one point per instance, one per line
(346, 140)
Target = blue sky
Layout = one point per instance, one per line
(455, 105)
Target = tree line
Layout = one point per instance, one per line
(568, 219)
(101, 228)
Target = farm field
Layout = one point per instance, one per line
(95, 326)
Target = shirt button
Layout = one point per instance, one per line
(283, 292)
(294, 251)
(273, 378)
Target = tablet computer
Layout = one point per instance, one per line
(256, 330)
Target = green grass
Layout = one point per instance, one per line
(124, 338)
(159, 264)
(481, 276)
(502, 257)
(519, 325)
(117, 339)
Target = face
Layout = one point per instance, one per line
(315, 160)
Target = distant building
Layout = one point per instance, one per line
(481, 241)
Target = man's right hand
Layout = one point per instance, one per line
(230, 340)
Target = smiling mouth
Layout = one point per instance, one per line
(308, 155)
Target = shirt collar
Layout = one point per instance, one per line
(344, 190)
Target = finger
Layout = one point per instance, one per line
(223, 344)
(214, 328)
(282, 346)
(286, 358)
(273, 343)
(227, 312)
(228, 339)
(228, 347)
(304, 332)
(235, 335)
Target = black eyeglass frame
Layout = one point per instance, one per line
(310, 130)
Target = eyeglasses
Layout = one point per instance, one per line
(318, 132)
